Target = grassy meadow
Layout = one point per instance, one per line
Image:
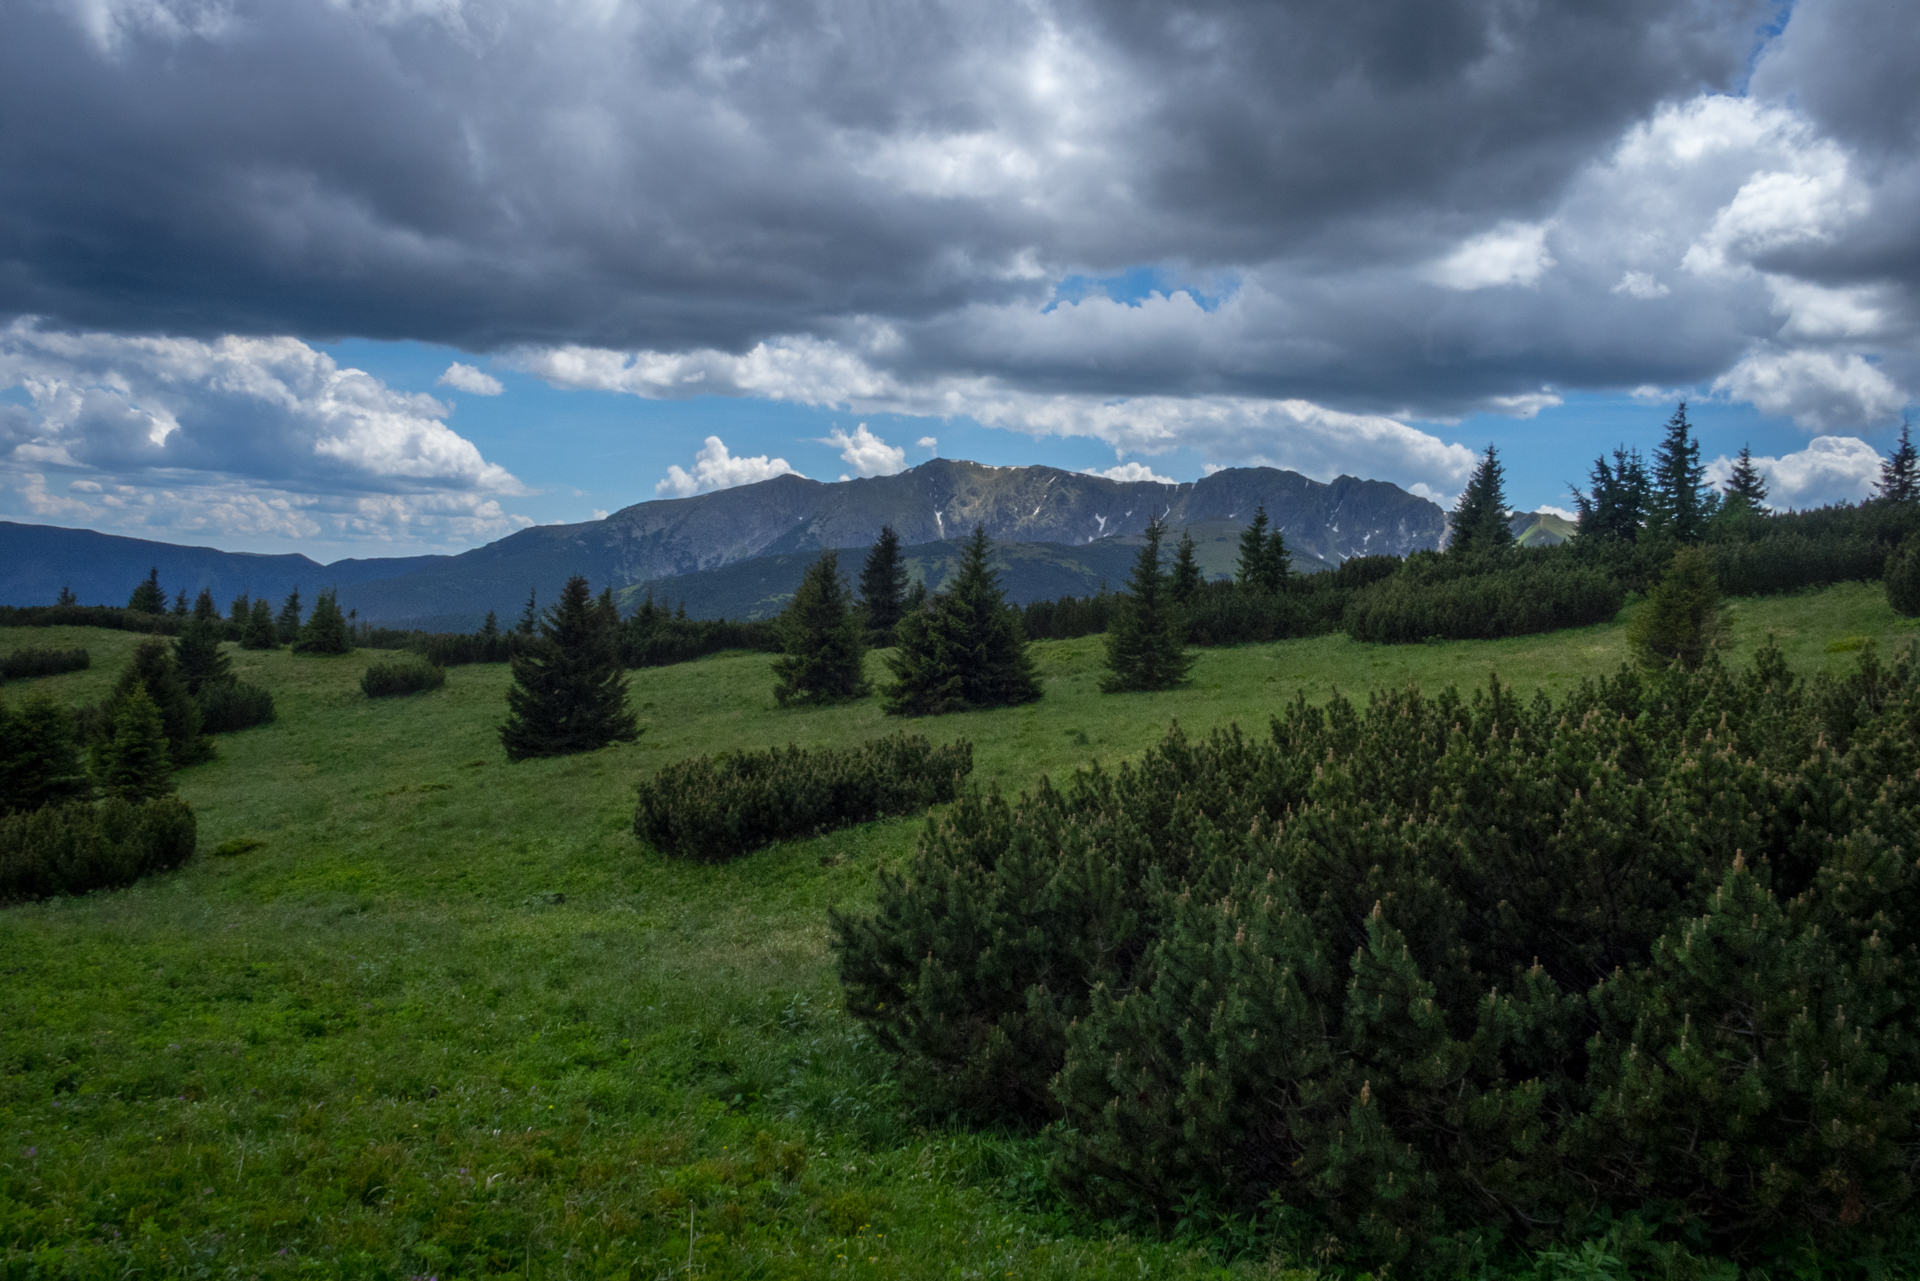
(416, 1012)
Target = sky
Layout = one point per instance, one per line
(380, 277)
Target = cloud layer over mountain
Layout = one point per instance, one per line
(1354, 215)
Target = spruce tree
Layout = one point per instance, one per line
(325, 631)
(240, 611)
(1903, 579)
(1746, 485)
(1682, 620)
(569, 694)
(530, 616)
(1146, 641)
(1680, 510)
(66, 596)
(825, 644)
(1264, 561)
(1186, 580)
(1615, 509)
(883, 587)
(196, 652)
(204, 610)
(261, 632)
(180, 606)
(133, 764)
(963, 648)
(153, 670)
(1480, 522)
(39, 758)
(1900, 472)
(287, 625)
(147, 598)
(490, 628)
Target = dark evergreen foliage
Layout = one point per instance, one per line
(1681, 502)
(1264, 563)
(1146, 642)
(31, 660)
(287, 623)
(261, 631)
(111, 617)
(1903, 580)
(240, 611)
(152, 669)
(824, 640)
(1437, 973)
(883, 587)
(654, 636)
(1479, 525)
(963, 648)
(180, 608)
(1522, 593)
(1900, 472)
(325, 631)
(717, 808)
(490, 628)
(1683, 620)
(530, 616)
(132, 762)
(204, 610)
(403, 674)
(74, 848)
(1185, 580)
(196, 653)
(147, 598)
(1068, 617)
(1746, 485)
(39, 756)
(66, 597)
(1615, 509)
(568, 692)
(233, 705)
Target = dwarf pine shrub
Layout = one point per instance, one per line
(1440, 973)
(714, 808)
(32, 660)
(234, 705)
(1522, 594)
(71, 849)
(403, 674)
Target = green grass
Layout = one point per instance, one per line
(430, 1014)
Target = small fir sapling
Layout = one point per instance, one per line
(133, 763)
(825, 644)
(286, 624)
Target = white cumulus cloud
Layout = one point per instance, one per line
(714, 468)
(866, 453)
(1819, 390)
(1511, 254)
(1129, 472)
(470, 380)
(1830, 469)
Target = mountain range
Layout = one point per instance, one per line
(738, 552)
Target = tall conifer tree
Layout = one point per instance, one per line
(196, 652)
(153, 670)
(147, 598)
(1264, 563)
(287, 624)
(1680, 499)
(825, 642)
(1186, 580)
(1746, 484)
(569, 693)
(133, 763)
(1480, 522)
(1146, 641)
(883, 586)
(1615, 508)
(325, 631)
(39, 758)
(1900, 472)
(260, 632)
(964, 647)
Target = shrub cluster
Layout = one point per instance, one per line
(70, 849)
(111, 617)
(1069, 617)
(405, 674)
(1439, 972)
(234, 705)
(714, 808)
(1519, 594)
(33, 661)
(1789, 562)
(654, 636)
(457, 649)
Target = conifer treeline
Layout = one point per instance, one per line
(1438, 971)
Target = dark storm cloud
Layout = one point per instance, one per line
(711, 175)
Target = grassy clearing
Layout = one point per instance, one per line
(447, 1016)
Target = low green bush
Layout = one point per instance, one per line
(713, 808)
(234, 705)
(1903, 579)
(1790, 562)
(1523, 594)
(31, 660)
(1439, 977)
(405, 674)
(74, 848)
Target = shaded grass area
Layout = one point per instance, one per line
(448, 1017)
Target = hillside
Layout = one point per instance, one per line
(786, 516)
(450, 1018)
